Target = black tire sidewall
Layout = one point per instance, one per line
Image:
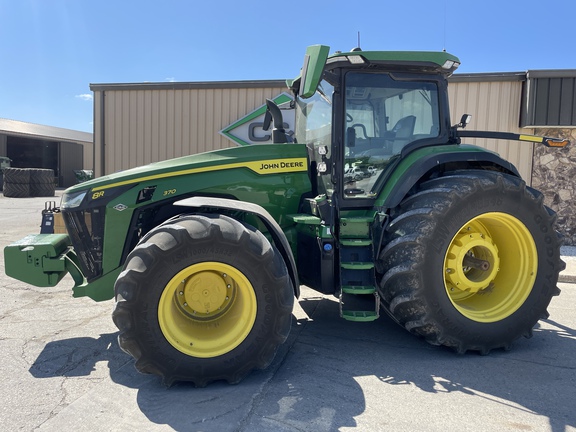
(258, 269)
(16, 190)
(42, 189)
(17, 175)
(41, 176)
(533, 215)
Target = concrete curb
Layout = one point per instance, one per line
(567, 279)
(568, 255)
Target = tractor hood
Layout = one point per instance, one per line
(116, 209)
(262, 159)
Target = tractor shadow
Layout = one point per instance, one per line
(77, 357)
(330, 372)
(357, 369)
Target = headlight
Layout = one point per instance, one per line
(72, 200)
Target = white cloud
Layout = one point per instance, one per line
(171, 79)
(85, 96)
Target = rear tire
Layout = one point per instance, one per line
(203, 298)
(429, 281)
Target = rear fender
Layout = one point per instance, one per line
(408, 173)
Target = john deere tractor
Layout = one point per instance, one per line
(373, 199)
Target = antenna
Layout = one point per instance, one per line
(358, 40)
(444, 42)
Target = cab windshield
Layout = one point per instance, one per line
(383, 115)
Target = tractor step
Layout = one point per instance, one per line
(357, 265)
(353, 289)
(359, 299)
(359, 316)
(356, 242)
(353, 294)
(356, 227)
(305, 219)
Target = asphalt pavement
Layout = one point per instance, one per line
(61, 370)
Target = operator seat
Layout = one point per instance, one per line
(403, 132)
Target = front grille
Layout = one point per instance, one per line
(86, 230)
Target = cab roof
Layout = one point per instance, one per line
(440, 61)
(317, 59)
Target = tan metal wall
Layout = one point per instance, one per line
(97, 134)
(495, 106)
(141, 124)
(147, 125)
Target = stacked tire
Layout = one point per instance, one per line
(28, 182)
(41, 182)
(17, 182)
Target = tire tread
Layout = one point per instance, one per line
(167, 238)
(403, 278)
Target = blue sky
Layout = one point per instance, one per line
(52, 50)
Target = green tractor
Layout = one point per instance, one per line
(373, 199)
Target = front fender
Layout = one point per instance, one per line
(278, 236)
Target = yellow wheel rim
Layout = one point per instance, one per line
(490, 267)
(207, 309)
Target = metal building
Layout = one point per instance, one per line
(136, 124)
(30, 145)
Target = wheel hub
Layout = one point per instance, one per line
(205, 294)
(472, 261)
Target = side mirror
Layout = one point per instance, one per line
(454, 136)
(267, 118)
(273, 113)
(311, 74)
(464, 121)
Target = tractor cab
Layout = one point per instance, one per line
(359, 112)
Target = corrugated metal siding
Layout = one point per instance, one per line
(96, 164)
(143, 126)
(551, 101)
(494, 106)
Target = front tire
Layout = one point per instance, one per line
(203, 298)
(471, 261)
